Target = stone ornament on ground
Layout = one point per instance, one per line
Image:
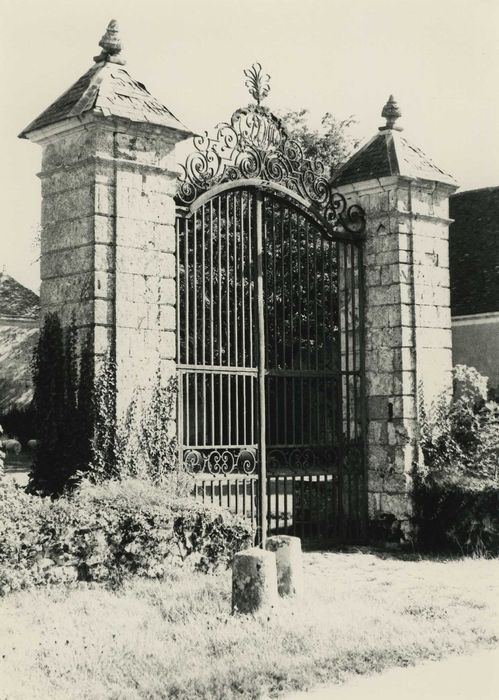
(254, 581)
(288, 563)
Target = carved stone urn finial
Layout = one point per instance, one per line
(391, 112)
(111, 45)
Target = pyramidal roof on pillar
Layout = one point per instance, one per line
(109, 89)
(389, 153)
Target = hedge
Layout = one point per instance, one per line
(108, 532)
(460, 514)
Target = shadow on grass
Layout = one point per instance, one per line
(391, 552)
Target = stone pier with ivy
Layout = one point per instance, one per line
(108, 217)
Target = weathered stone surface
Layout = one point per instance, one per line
(289, 563)
(254, 581)
(108, 239)
(407, 323)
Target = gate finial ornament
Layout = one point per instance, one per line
(111, 45)
(257, 82)
(391, 112)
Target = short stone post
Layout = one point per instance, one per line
(254, 580)
(288, 563)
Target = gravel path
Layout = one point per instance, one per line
(473, 677)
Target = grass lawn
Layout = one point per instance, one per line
(177, 639)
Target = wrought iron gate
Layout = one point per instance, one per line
(269, 319)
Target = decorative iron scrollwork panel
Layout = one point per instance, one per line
(255, 145)
(221, 461)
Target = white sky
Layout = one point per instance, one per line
(440, 59)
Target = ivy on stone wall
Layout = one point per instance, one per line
(62, 404)
(77, 428)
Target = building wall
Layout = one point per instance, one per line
(474, 251)
(475, 342)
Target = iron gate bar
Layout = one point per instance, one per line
(261, 368)
(362, 379)
(296, 368)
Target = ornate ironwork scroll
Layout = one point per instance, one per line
(255, 145)
(303, 459)
(257, 82)
(220, 462)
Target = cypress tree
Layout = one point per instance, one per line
(49, 370)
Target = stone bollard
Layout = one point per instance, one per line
(254, 580)
(289, 564)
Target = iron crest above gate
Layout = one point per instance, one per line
(255, 145)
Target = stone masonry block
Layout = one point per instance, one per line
(125, 288)
(146, 235)
(59, 290)
(433, 316)
(105, 200)
(67, 262)
(168, 291)
(130, 314)
(438, 338)
(402, 406)
(150, 262)
(432, 296)
(137, 204)
(81, 312)
(168, 345)
(378, 296)
(389, 483)
(104, 229)
(70, 177)
(76, 145)
(145, 149)
(66, 234)
(168, 370)
(168, 318)
(429, 270)
(72, 204)
(390, 383)
(382, 338)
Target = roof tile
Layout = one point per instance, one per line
(107, 88)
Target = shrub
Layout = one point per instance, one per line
(462, 435)
(456, 489)
(77, 427)
(469, 385)
(110, 531)
(460, 514)
(18, 423)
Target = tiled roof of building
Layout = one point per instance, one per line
(109, 89)
(17, 301)
(389, 153)
(474, 251)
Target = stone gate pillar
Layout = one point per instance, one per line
(408, 358)
(108, 216)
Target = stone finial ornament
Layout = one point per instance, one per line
(391, 112)
(111, 45)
